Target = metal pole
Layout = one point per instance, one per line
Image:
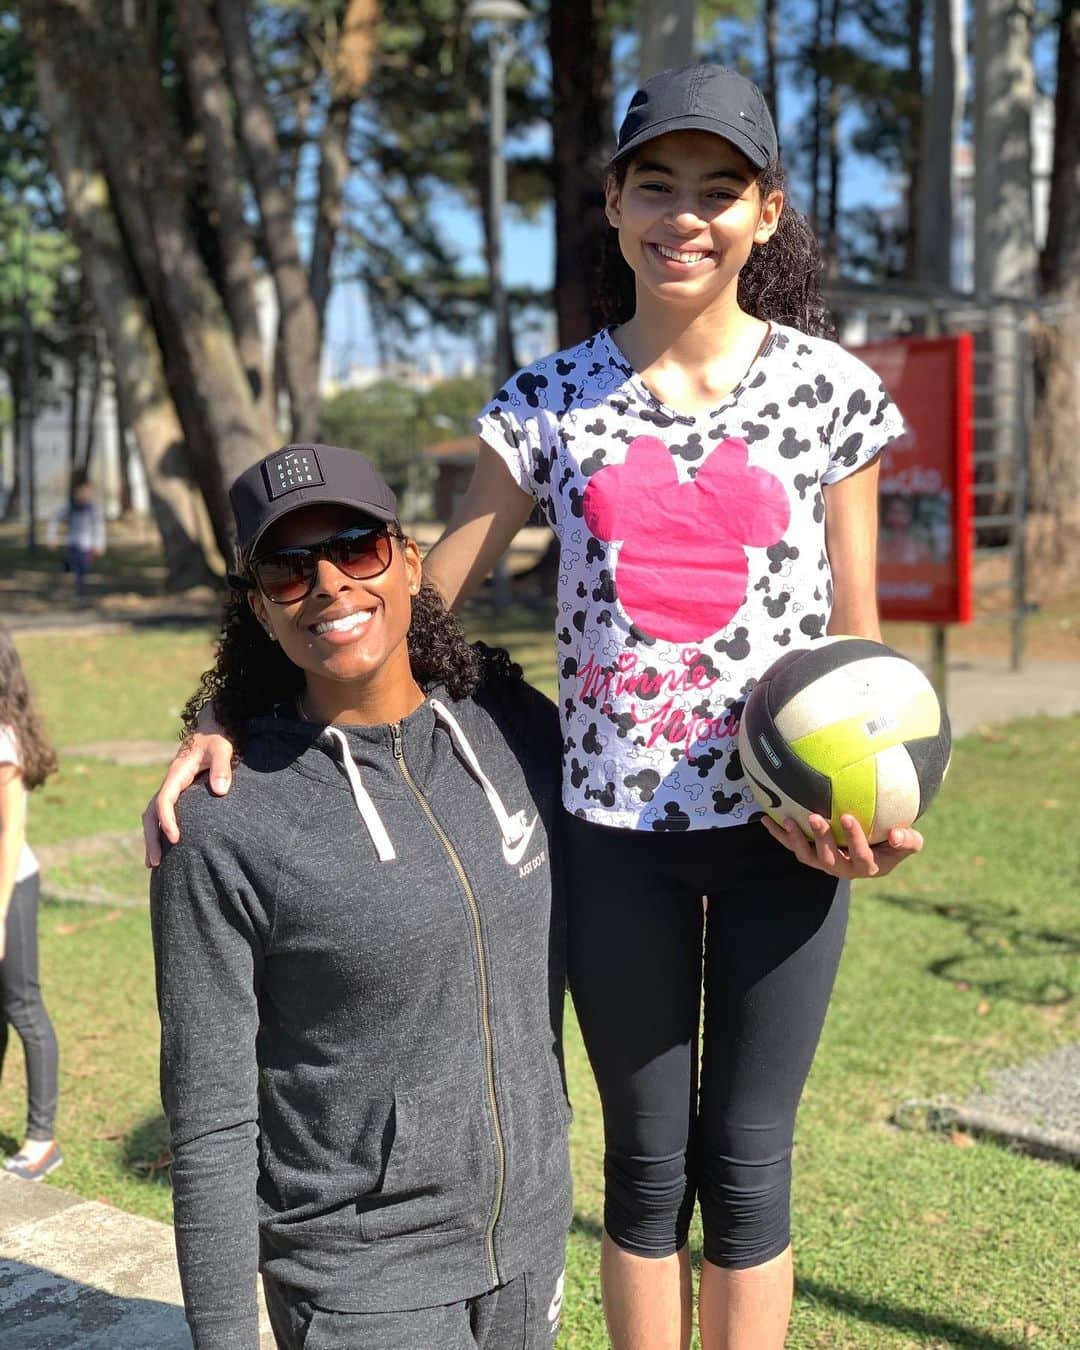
(1021, 377)
(939, 666)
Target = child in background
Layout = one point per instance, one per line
(83, 525)
(26, 760)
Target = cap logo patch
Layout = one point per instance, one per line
(289, 473)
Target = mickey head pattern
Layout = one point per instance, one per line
(682, 568)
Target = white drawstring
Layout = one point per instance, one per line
(513, 827)
(368, 811)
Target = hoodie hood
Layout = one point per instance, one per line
(366, 758)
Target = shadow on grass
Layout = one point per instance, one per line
(581, 1226)
(146, 1151)
(1003, 958)
(939, 1330)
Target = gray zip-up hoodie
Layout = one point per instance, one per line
(360, 983)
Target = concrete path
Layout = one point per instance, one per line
(986, 692)
(79, 1275)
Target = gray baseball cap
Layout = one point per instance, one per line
(306, 475)
(700, 98)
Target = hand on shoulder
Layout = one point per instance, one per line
(200, 752)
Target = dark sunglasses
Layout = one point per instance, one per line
(288, 574)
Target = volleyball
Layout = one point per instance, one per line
(845, 726)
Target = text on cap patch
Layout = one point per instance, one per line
(292, 471)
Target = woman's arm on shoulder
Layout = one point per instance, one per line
(480, 531)
(851, 523)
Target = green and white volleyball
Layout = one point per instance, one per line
(845, 726)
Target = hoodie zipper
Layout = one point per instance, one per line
(489, 1050)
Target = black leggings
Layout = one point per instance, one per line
(770, 944)
(24, 1010)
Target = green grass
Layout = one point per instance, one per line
(115, 686)
(963, 961)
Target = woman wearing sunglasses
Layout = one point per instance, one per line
(359, 975)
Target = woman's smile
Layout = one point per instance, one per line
(340, 629)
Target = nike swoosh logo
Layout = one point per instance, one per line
(513, 853)
(774, 800)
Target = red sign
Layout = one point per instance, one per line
(925, 535)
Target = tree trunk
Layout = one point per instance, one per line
(933, 202)
(1060, 260)
(210, 100)
(579, 42)
(667, 35)
(144, 168)
(142, 392)
(1005, 259)
(1005, 255)
(90, 439)
(913, 148)
(832, 222)
(349, 74)
(75, 366)
(1056, 443)
(771, 88)
(817, 129)
(297, 316)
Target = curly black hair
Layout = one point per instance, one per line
(251, 675)
(781, 279)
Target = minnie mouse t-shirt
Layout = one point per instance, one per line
(692, 556)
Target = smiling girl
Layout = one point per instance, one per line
(360, 978)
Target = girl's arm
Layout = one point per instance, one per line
(851, 523)
(12, 834)
(489, 515)
(480, 531)
(851, 543)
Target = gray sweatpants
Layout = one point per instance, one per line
(520, 1315)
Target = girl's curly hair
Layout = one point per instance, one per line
(37, 758)
(781, 279)
(251, 675)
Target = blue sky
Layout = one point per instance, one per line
(529, 244)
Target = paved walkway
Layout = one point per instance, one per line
(79, 1275)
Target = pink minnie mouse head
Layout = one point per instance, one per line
(682, 569)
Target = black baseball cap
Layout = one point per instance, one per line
(700, 98)
(306, 475)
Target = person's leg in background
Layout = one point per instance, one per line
(24, 1009)
(774, 935)
(80, 566)
(634, 963)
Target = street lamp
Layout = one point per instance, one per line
(501, 16)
